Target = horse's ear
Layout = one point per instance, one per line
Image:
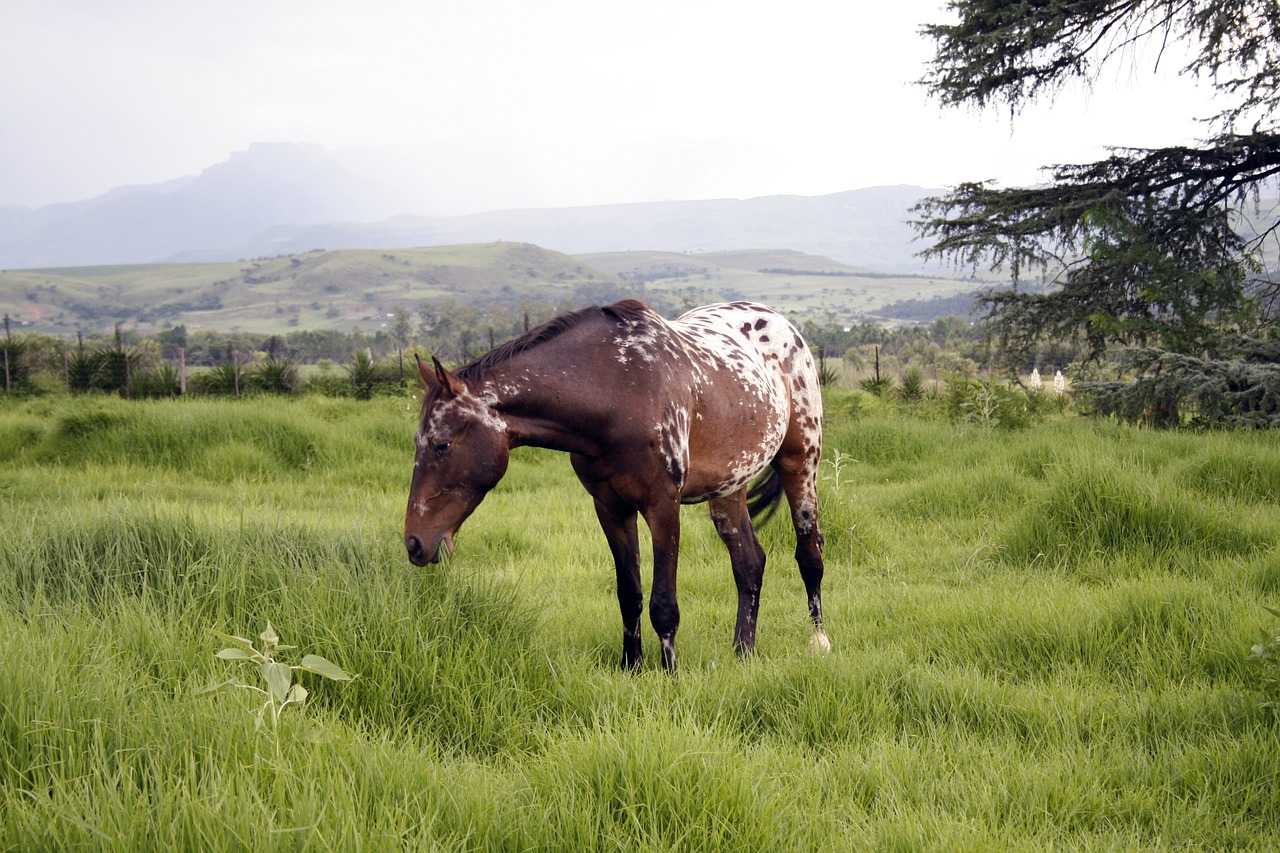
(450, 385)
(427, 378)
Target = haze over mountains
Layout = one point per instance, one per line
(282, 198)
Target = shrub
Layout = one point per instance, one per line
(82, 370)
(880, 386)
(363, 374)
(369, 377)
(220, 380)
(911, 385)
(979, 401)
(330, 385)
(1265, 656)
(161, 382)
(13, 362)
(116, 369)
(276, 375)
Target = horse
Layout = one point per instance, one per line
(721, 405)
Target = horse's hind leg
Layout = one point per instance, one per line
(801, 487)
(733, 523)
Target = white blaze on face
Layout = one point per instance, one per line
(465, 406)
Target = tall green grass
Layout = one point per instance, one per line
(1039, 643)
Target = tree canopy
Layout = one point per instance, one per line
(1149, 247)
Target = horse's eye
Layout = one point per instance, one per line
(440, 448)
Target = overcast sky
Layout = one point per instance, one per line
(522, 102)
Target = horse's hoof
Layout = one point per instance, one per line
(820, 643)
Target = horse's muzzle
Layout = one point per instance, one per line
(421, 554)
(417, 553)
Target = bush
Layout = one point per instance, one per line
(221, 380)
(878, 387)
(982, 402)
(368, 377)
(911, 385)
(13, 362)
(161, 382)
(116, 370)
(82, 370)
(1265, 657)
(275, 375)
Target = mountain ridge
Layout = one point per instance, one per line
(284, 198)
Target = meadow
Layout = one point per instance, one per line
(1039, 642)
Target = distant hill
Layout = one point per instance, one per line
(279, 199)
(361, 287)
(314, 290)
(865, 228)
(799, 283)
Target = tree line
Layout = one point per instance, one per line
(179, 360)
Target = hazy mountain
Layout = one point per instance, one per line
(276, 199)
(267, 185)
(865, 228)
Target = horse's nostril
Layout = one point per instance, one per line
(414, 546)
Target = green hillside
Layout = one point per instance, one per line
(314, 290)
(793, 281)
(359, 288)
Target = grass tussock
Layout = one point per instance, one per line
(1103, 509)
(1039, 642)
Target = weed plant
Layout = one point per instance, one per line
(1041, 641)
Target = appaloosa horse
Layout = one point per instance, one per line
(653, 414)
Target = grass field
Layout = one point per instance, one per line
(313, 290)
(1039, 643)
(796, 282)
(361, 287)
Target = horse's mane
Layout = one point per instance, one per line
(627, 310)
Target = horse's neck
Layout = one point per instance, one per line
(548, 410)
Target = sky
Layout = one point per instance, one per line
(487, 104)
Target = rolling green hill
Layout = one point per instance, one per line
(792, 281)
(361, 287)
(314, 290)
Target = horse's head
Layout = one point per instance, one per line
(462, 454)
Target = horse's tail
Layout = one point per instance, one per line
(763, 496)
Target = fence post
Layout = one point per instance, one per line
(7, 338)
(182, 371)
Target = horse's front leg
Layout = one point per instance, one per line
(618, 522)
(664, 610)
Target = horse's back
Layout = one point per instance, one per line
(760, 330)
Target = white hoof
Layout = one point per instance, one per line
(820, 643)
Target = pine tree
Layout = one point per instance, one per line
(1153, 249)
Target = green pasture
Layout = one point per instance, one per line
(312, 290)
(795, 282)
(361, 287)
(1039, 642)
